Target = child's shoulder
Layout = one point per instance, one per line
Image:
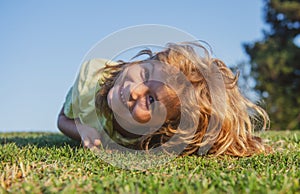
(98, 62)
(92, 68)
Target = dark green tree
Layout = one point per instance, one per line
(275, 63)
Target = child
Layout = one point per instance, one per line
(174, 97)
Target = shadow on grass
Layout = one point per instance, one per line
(39, 139)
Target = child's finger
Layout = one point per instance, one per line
(86, 143)
(97, 142)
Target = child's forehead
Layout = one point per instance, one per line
(155, 70)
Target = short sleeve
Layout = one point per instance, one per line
(80, 100)
(68, 111)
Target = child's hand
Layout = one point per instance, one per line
(89, 136)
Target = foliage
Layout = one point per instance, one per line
(275, 63)
(51, 163)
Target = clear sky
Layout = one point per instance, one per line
(43, 42)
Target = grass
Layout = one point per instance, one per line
(52, 163)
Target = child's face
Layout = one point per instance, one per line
(138, 96)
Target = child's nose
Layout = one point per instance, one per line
(138, 92)
(140, 111)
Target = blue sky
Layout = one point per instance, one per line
(43, 42)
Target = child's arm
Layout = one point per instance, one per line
(78, 131)
(67, 126)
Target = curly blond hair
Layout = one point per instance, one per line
(224, 126)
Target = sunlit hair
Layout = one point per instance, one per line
(239, 118)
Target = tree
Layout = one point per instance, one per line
(275, 63)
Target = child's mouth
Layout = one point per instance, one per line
(122, 97)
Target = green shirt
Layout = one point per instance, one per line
(80, 101)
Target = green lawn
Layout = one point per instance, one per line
(51, 163)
